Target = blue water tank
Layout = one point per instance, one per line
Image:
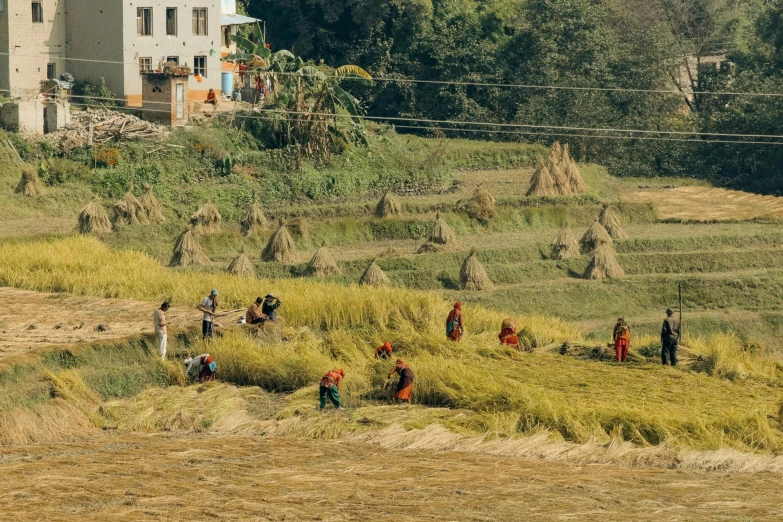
(227, 86)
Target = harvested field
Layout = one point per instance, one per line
(166, 477)
(708, 204)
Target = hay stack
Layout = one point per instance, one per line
(611, 223)
(30, 185)
(480, 206)
(472, 275)
(93, 219)
(151, 206)
(594, 236)
(575, 182)
(298, 227)
(441, 237)
(556, 150)
(542, 183)
(565, 156)
(564, 245)
(604, 263)
(187, 251)
(242, 266)
(559, 177)
(206, 220)
(253, 220)
(322, 264)
(281, 246)
(129, 209)
(374, 276)
(388, 206)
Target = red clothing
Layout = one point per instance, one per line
(333, 378)
(384, 352)
(509, 336)
(405, 384)
(206, 373)
(259, 83)
(455, 327)
(621, 348)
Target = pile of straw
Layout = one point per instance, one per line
(253, 220)
(594, 236)
(322, 264)
(472, 275)
(281, 246)
(30, 185)
(298, 227)
(575, 181)
(374, 276)
(207, 219)
(480, 206)
(441, 237)
(151, 206)
(187, 251)
(611, 223)
(564, 245)
(604, 263)
(242, 266)
(388, 206)
(542, 183)
(129, 209)
(93, 219)
(561, 185)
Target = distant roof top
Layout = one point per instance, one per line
(236, 19)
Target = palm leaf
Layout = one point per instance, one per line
(243, 43)
(311, 72)
(353, 70)
(347, 101)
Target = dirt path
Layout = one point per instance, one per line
(174, 477)
(30, 320)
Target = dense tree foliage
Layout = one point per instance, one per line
(689, 48)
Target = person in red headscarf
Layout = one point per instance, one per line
(508, 333)
(455, 327)
(330, 387)
(384, 351)
(405, 384)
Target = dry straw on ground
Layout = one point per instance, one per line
(206, 220)
(480, 206)
(575, 181)
(187, 250)
(594, 236)
(374, 276)
(441, 237)
(129, 209)
(281, 246)
(604, 263)
(560, 179)
(388, 206)
(30, 185)
(565, 245)
(254, 219)
(151, 206)
(611, 223)
(542, 183)
(242, 266)
(472, 275)
(322, 264)
(93, 219)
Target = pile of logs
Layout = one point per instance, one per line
(101, 126)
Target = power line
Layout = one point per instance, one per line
(459, 83)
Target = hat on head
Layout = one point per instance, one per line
(271, 295)
(214, 291)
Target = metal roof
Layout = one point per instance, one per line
(236, 19)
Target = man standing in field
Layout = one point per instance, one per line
(161, 330)
(209, 306)
(670, 337)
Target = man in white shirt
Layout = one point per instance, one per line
(209, 306)
(161, 330)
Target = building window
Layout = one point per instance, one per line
(37, 12)
(171, 21)
(200, 66)
(145, 64)
(144, 21)
(51, 71)
(226, 36)
(172, 60)
(200, 21)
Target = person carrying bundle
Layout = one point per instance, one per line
(508, 333)
(405, 384)
(205, 364)
(622, 339)
(455, 327)
(330, 387)
(384, 351)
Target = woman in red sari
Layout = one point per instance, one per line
(405, 385)
(455, 327)
(508, 333)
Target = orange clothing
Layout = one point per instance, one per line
(254, 313)
(211, 96)
(384, 352)
(509, 337)
(333, 378)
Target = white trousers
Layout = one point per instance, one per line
(163, 341)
